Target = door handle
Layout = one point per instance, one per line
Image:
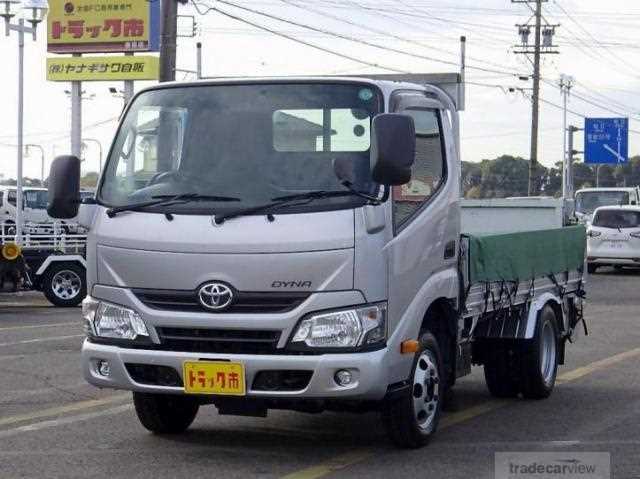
(450, 250)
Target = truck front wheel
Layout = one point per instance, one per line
(412, 418)
(165, 413)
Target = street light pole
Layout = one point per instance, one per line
(93, 140)
(31, 145)
(38, 9)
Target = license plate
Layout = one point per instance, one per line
(213, 377)
(619, 244)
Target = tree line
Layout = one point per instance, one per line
(508, 176)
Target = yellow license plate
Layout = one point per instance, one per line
(213, 377)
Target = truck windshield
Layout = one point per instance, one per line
(251, 142)
(588, 201)
(617, 219)
(36, 199)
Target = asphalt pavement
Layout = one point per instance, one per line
(54, 425)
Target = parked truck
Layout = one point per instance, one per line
(296, 244)
(587, 200)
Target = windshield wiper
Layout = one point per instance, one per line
(167, 200)
(197, 197)
(285, 201)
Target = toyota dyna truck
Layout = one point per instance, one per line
(296, 243)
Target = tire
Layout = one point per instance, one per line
(591, 268)
(406, 427)
(9, 229)
(65, 284)
(539, 364)
(165, 413)
(501, 369)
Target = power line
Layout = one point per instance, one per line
(613, 54)
(302, 42)
(354, 39)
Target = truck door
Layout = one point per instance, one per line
(426, 218)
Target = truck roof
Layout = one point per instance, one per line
(449, 82)
(612, 188)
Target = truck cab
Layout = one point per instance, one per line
(587, 200)
(34, 206)
(289, 243)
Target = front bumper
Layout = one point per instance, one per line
(604, 260)
(368, 370)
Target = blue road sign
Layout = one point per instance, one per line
(606, 140)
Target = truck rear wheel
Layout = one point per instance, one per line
(65, 284)
(540, 357)
(412, 418)
(165, 413)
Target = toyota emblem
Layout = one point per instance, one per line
(215, 296)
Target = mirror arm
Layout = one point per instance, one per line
(385, 194)
(374, 200)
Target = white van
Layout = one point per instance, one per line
(588, 199)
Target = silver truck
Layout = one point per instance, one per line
(296, 244)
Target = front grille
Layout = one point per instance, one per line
(248, 303)
(221, 341)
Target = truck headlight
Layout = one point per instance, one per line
(108, 320)
(345, 328)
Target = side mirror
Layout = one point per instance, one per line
(393, 149)
(64, 187)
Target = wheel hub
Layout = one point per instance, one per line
(66, 284)
(426, 390)
(548, 353)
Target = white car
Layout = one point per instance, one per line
(613, 237)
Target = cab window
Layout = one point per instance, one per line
(428, 171)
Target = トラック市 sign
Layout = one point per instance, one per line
(606, 140)
(102, 26)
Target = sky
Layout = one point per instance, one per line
(599, 45)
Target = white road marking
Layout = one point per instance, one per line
(42, 340)
(64, 421)
(38, 326)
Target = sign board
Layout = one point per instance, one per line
(102, 26)
(606, 140)
(105, 68)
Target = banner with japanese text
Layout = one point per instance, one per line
(102, 26)
(105, 68)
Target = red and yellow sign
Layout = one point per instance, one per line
(214, 377)
(93, 26)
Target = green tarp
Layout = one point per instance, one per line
(527, 255)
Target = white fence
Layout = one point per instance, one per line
(64, 237)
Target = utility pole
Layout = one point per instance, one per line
(566, 83)
(535, 100)
(128, 86)
(543, 44)
(76, 116)
(567, 173)
(199, 60)
(168, 40)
